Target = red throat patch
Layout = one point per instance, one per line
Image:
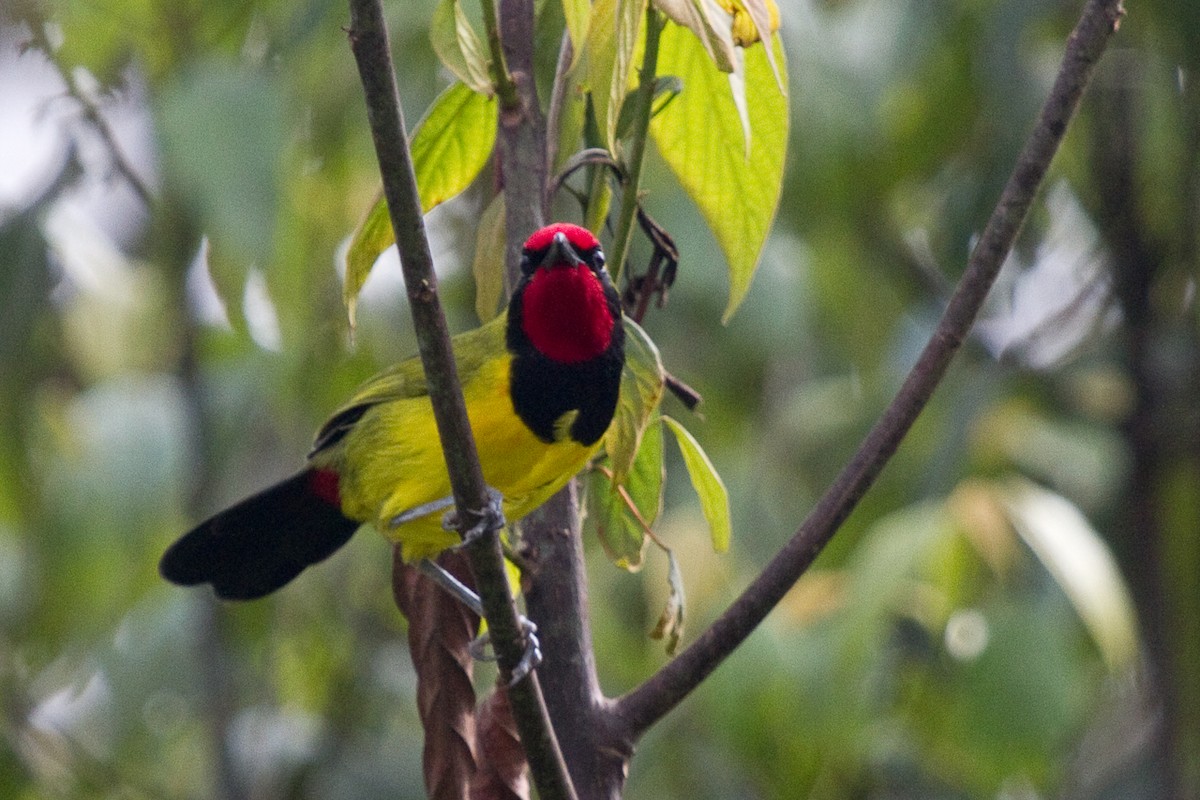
(565, 314)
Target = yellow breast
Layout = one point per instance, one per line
(392, 461)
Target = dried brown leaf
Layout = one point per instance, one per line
(440, 630)
(501, 774)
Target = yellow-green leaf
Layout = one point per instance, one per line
(451, 145)
(644, 483)
(670, 622)
(458, 47)
(488, 264)
(700, 137)
(714, 499)
(624, 545)
(642, 384)
(620, 514)
(611, 40)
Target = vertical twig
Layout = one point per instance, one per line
(210, 641)
(644, 99)
(502, 80)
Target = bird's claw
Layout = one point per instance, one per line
(532, 656)
(491, 518)
(530, 660)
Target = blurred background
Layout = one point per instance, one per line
(1011, 613)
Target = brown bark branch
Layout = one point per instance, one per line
(557, 597)
(369, 43)
(556, 594)
(649, 702)
(522, 138)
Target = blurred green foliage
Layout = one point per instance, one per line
(156, 365)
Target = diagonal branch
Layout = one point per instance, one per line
(369, 43)
(649, 702)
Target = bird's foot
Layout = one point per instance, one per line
(530, 660)
(491, 518)
(458, 590)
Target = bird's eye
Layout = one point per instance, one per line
(598, 259)
(526, 264)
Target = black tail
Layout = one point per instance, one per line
(258, 545)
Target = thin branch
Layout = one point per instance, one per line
(584, 158)
(91, 113)
(649, 702)
(558, 99)
(502, 80)
(556, 591)
(369, 43)
(647, 75)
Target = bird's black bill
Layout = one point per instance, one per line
(560, 253)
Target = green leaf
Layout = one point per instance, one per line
(572, 120)
(621, 513)
(714, 499)
(700, 136)
(642, 385)
(737, 90)
(703, 20)
(612, 38)
(608, 521)
(488, 264)
(458, 47)
(644, 483)
(453, 143)
(450, 147)
(670, 622)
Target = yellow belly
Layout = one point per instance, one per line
(392, 462)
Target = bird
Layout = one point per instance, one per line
(541, 383)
